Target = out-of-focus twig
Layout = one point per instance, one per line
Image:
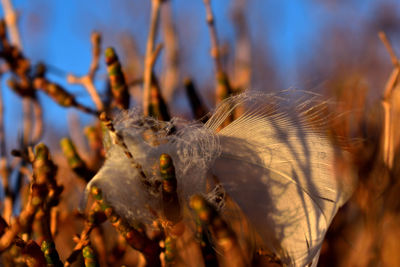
(25, 218)
(61, 96)
(389, 48)
(75, 161)
(87, 81)
(242, 68)
(135, 237)
(4, 167)
(11, 19)
(171, 205)
(95, 217)
(223, 87)
(32, 254)
(222, 234)
(388, 144)
(89, 256)
(171, 57)
(199, 110)
(150, 54)
(119, 88)
(158, 107)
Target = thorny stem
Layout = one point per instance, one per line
(150, 54)
(118, 140)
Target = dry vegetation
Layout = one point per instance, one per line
(40, 224)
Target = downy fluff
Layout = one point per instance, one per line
(274, 160)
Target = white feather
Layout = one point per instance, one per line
(281, 172)
(276, 165)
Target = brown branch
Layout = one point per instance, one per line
(150, 58)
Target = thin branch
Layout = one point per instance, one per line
(223, 87)
(27, 119)
(4, 167)
(171, 68)
(213, 36)
(389, 48)
(38, 114)
(149, 59)
(11, 18)
(87, 80)
(388, 153)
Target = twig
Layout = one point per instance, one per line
(27, 120)
(118, 139)
(389, 48)
(119, 88)
(150, 58)
(4, 167)
(198, 108)
(222, 234)
(170, 200)
(61, 96)
(87, 80)
(223, 88)
(38, 114)
(82, 240)
(242, 64)
(158, 108)
(213, 36)
(25, 219)
(388, 150)
(89, 256)
(171, 62)
(11, 21)
(75, 161)
(99, 244)
(136, 237)
(95, 217)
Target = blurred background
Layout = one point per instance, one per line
(267, 45)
